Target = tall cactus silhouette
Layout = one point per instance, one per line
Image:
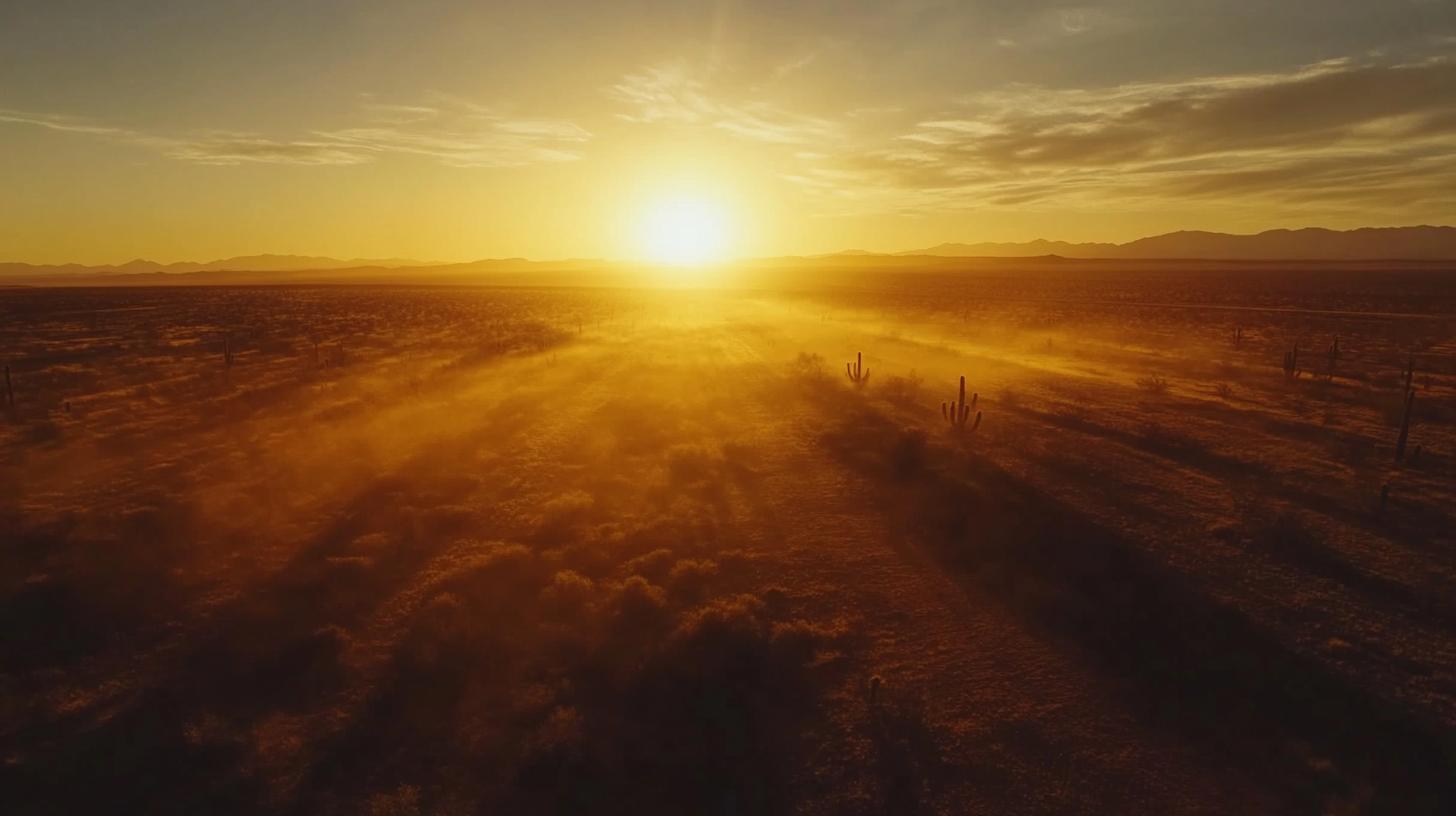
(1333, 355)
(857, 375)
(1291, 363)
(1409, 391)
(959, 412)
(227, 351)
(1410, 400)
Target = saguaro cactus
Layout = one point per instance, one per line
(857, 375)
(1333, 354)
(227, 351)
(1291, 363)
(959, 412)
(1410, 400)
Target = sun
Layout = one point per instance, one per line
(685, 231)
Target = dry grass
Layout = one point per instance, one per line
(438, 550)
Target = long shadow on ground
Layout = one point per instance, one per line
(1185, 661)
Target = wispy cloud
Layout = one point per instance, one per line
(460, 133)
(450, 131)
(65, 124)
(1334, 134)
(672, 94)
(223, 148)
(1075, 21)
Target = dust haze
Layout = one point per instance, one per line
(627, 549)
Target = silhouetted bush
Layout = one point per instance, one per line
(710, 720)
(1153, 384)
(904, 391)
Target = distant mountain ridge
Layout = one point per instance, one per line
(250, 263)
(286, 269)
(1312, 243)
(1423, 243)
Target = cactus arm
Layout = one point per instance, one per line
(958, 413)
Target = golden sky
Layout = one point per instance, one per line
(452, 130)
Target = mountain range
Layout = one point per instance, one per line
(1370, 243)
(241, 263)
(1423, 243)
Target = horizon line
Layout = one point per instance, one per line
(402, 263)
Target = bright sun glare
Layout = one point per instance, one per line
(685, 231)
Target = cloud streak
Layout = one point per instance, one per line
(1334, 134)
(458, 133)
(672, 95)
(452, 132)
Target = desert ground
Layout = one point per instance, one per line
(481, 549)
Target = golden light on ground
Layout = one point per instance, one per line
(685, 231)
